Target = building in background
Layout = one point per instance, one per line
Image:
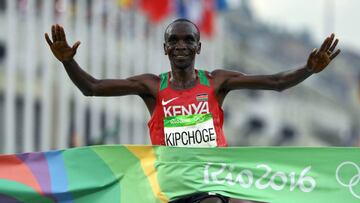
(321, 111)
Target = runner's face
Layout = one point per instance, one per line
(182, 44)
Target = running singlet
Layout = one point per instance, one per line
(187, 118)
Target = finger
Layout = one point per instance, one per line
(53, 33)
(58, 32)
(48, 39)
(62, 34)
(335, 54)
(313, 53)
(332, 48)
(330, 41)
(323, 46)
(76, 45)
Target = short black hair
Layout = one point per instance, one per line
(182, 20)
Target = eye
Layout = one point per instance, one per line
(190, 38)
(171, 39)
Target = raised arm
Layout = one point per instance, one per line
(143, 85)
(226, 81)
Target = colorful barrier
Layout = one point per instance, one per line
(123, 173)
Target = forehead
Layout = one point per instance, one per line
(182, 28)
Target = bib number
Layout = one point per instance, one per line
(195, 130)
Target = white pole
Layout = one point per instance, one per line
(111, 108)
(96, 51)
(47, 81)
(63, 95)
(9, 138)
(211, 55)
(150, 62)
(30, 61)
(138, 56)
(82, 53)
(164, 62)
(219, 63)
(124, 72)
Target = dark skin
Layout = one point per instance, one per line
(182, 44)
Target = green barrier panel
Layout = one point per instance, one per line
(125, 173)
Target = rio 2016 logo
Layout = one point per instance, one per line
(277, 180)
(353, 181)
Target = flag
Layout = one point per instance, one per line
(157, 174)
(200, 12)
(181, 8)
(190, 9)
(155, 10)
(202, 97)
(208, 18)
(221, 5)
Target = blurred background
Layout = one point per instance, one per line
(40, 108)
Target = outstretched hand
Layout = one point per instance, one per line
(319, 59)
(59, 46)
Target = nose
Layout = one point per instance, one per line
(180, 45)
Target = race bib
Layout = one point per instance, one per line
(195, 130)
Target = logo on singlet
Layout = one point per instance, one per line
(202, 97)
(163, 102)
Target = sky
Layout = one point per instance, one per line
(320, 17)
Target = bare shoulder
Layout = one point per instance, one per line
(147, 82)
(223, 73)
(221, 76)
(145, 77)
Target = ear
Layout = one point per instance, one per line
(165, 50)
(198, 48)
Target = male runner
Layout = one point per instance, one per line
(185, 103)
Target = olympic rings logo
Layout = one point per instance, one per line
(353, 181)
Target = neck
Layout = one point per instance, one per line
(183, 78)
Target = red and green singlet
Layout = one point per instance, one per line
(189, 117)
